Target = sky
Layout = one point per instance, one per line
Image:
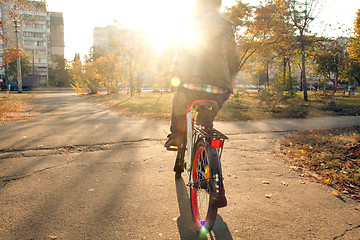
(81, 16)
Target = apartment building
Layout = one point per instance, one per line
(41, 36)
(57, 44)
(105, 39)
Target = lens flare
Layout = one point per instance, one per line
(203, 231)
(175, 81)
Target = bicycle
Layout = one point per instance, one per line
(199, 156)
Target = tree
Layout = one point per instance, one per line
(85, 76)
(354, 48)
(241, 14)
(59, 77)
(353, 72)
(111, 72)
(10, 62)
(303, 12)
(272, 22)
(135, 53)
(77, 57)
(332, 60)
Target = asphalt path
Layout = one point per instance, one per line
(78, 170)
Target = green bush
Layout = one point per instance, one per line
(273, 96)
(236, 100)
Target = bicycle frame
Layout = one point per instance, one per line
(194, 132)
(189, 137)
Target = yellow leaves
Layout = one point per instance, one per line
(303, 152)
(335, 193)
(327, 181)
(347, 164)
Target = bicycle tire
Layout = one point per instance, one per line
(203, 213)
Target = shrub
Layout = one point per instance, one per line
(273, 96)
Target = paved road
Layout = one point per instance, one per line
(79, 171)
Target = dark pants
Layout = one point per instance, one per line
(185, 97)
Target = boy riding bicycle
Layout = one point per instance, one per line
(206, 67)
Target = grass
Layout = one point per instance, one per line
(240, 106)
(334, 155)
(15, 106)
(147, 104)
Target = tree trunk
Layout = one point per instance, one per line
(291, 80)
(303, 71)
(284, 68)
(132, 85)
(267, 74)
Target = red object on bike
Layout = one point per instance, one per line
(216, 143)
(203, 100)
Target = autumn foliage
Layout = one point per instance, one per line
(104, 72)
(11, 55)
(334, 155)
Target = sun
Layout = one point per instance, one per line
(161, 19)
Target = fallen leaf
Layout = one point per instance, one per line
(327, 180)
(335, 193)
(52, 237)
(285, 184)
(265, 182)
(347, 164)
(268, 195)
(303, 152)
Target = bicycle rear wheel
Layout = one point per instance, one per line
(204, 214)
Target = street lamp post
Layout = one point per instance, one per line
(17, 30)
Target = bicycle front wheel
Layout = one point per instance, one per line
(204, 215)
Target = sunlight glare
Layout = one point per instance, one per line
(161, 19)
(175, 81)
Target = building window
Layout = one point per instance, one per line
(40, 43)
(34, 35)
(40, 60)
(28, 43)
(38, 26)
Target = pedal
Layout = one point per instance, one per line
(172, 148)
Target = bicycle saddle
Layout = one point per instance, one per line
(205, 103)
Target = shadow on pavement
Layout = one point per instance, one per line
(185, 224)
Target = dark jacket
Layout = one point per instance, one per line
(206, 51)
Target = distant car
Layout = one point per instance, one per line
(311, 88)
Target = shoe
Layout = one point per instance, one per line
(173, 142)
